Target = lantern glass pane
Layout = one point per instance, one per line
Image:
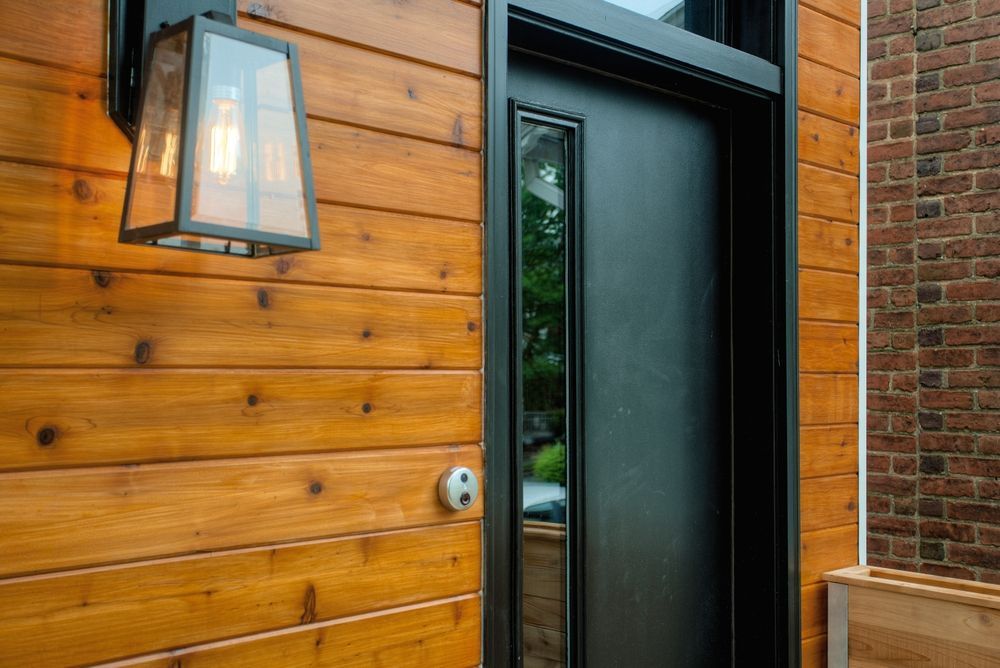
(247, 167)
(156, 152)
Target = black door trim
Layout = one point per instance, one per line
(607, 26)
(572, 30)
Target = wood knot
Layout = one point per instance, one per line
(316, 488)
(851, 505)
(283, 265)
(263, 299)
(101, 278)
(143, 351)
(252, 400)
(366, 334)
(366, 408)
(471, 326)
(82, 190)
(411, 93)
(365, 236)
(443, 274)
(309, 606)
(46, 436)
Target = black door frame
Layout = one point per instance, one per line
(629, 45)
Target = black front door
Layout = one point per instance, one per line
(624, 370)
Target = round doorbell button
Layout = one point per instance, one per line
(458, 488)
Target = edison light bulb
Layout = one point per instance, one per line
(224, 133)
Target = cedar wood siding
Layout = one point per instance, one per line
(243, 452)
(229, 461)
(829, 102)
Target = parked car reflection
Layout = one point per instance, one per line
(544, 502)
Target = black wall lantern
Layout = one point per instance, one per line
(220, 156)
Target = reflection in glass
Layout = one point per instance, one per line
(154, 175)
(238, 183)
(543, 192)
(667, 11)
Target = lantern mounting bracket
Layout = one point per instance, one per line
(131, 24)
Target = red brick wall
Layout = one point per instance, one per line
(934, 287)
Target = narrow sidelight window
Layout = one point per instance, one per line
(544, 206)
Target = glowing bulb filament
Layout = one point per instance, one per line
(224, 142)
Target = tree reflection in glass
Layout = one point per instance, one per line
(543, 389)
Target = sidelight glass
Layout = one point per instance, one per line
(543, 211)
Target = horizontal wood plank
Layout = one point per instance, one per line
(74, 33)
(105, 614)
(927, 631)
(69, 317)
(923, 585)
(814, 612)
(539, 662)
(828, 347)
(826, 550)
(827, 92)
(75, 223)
(827, 194)
(70, 107)
(363, 87)
(814, 652)
(828, 41)
(61, 519)
(544, 612)
(544, 575)
(826, 244)
(445, 634)
(543, 644)
(828, 143)
(828, 450)
(372, 169)
(825, 295)
(848, 11)
(829, 502)
(828, 399)
(55, 419)
(444, 32)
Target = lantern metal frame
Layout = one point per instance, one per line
(131, 24)
(182, 224)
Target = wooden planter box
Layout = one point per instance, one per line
(882, 617)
